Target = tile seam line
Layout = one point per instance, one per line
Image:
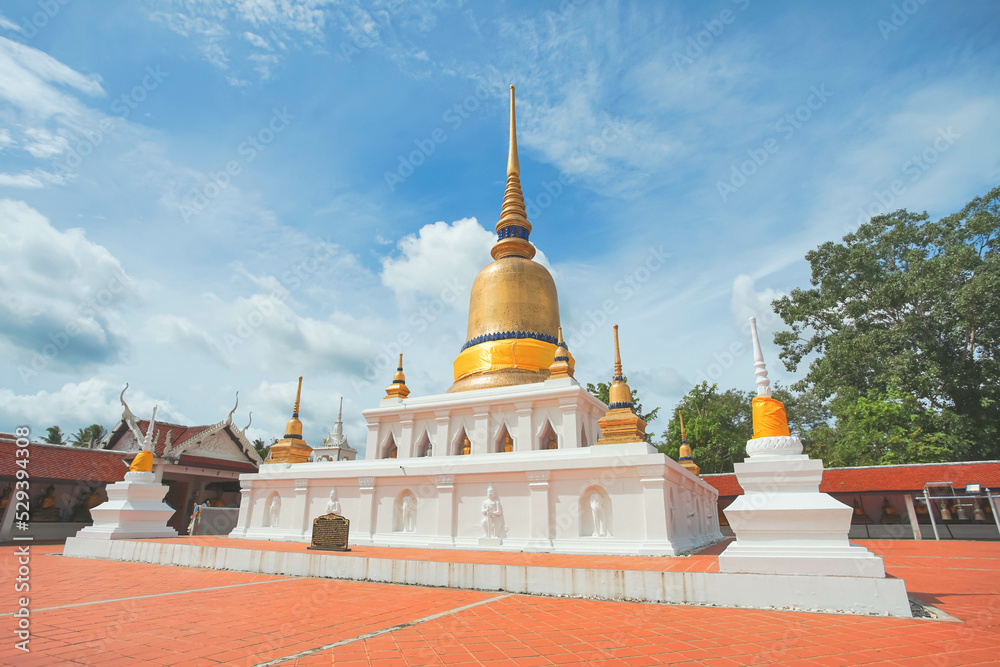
(376, 633)
(157, 595)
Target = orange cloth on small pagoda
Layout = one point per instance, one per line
(143, 462)
(769, 418)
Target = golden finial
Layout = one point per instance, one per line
(298, 399)
(513, 168)
(620, 423)
(398, 388)
(561, 367)
(513, 228)
(684, 439)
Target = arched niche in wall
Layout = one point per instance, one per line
(596, 515)
(547, 438)
(458, 442)
(423, 446)
(502, 437)
(388, 449)
(404, 512)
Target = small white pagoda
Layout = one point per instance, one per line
(335, 447)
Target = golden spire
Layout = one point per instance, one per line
(294, 428)
(620, 423)
(292, 448)
(513, 228)
(619, 395)
(561, 368)
(398, 388)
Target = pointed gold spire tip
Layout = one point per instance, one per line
(298, 397)
(513, 168)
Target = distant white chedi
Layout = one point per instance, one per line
(782, 523)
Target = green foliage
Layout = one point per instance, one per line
(89, 437)
(54, 436)
(601, 392)
(262, 449)
(902, 325)
(718, 425)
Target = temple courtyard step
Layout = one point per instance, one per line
(691, 580)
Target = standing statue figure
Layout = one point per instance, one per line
(600, 518)
(272, 512)
(409, 514)
(492, 515)
(333, 505)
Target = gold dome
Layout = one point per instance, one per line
(513, 308)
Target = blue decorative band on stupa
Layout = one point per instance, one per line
(507, 335)
(685, 458)
(566, 359)
(512, 231)
(399, 381)
(615, 406)
(293, 436)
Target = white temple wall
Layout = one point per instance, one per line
(547, 499)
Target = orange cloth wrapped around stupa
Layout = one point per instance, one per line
(769, 418)
(143, 462)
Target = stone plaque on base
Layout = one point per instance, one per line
(330, 533)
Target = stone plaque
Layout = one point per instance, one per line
(330, 533)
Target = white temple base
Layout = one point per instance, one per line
(784, 525)
(134, 509)
(650, 504)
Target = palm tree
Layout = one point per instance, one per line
(262, 449)
(89, 437)
(54, 436)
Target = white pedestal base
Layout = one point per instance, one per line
(784, 525)
(134, 509)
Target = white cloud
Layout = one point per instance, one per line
(182, 334)
(747, 302)
(257, 41)
(6, 24)
(44, 144)
(437, 256)
(26, 75)
(79, 404)
(30, 180)
(59, 288)
(5, 138)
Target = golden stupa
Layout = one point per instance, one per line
(292, 448)
(513, 309)
(620, 423)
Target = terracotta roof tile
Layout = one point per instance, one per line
(57, 462)
(887, 478)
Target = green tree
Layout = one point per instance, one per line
(718, 425)
(263, 449)
(601, 392)
(883, 429)
(909, 305)
(89, 437)
(54, 436)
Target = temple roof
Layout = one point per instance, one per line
(62, 462)
(895, 479)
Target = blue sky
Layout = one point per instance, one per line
(204, 197)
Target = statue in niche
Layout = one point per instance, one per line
(466, 447)
(333, 505)
(508, 444)
(409, 514)
(272, 512)
(553, 443)
(45, 508)
(492, 514)
(599, 514)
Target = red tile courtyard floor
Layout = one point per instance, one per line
(88, 612)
